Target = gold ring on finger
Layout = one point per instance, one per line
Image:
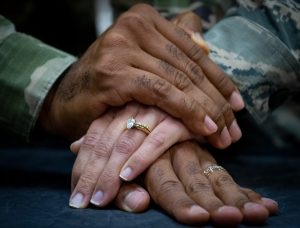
(131, 123)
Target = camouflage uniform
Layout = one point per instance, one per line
(257, 44)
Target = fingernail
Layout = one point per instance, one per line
(228, 209)
(236, 101)
(210, 125)
(97, 198)
(268, 201)
(125, 174)
(235, 131)
(196, 210)
(225, 137)
(253, 206)
(76, 201)
(132, 201)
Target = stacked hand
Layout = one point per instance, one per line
(149, 60)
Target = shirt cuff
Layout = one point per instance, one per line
(28, 70)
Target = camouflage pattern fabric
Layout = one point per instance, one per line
(28, 69)
(258, 46)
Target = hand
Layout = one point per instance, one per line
(108, 150)
(144, 57)
(176, 183)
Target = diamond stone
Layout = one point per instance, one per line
(130, 123)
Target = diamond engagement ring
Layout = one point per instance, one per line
(212, 168)
(131, 123)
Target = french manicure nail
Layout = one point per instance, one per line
(125, 174)
(225, 137)
(76, 201)
(210, 124)
(97, 198)
(236, 101)
(235, 131)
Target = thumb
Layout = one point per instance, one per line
(75, 146)
(192, 25)
(189, 22)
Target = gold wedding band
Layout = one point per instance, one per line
(131, 123)
(212, 168)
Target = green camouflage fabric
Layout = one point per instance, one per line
(257, 45)
(28, 69)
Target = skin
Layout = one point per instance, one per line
(175, 181)
(144, 58)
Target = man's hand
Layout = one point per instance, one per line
(145, 58)
(177, 184)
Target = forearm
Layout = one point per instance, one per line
(263, 66)
(28, 70)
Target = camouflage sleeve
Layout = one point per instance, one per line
(28, 69)
(258, 46)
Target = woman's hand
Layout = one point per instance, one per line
(109, 151)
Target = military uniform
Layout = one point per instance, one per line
(257, 44)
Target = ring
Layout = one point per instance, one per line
(210, 169)
(131, 123)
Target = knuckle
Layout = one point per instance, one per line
(196, 73)
(161, 88)
(169, 186)
(197, 187)
(176, 53)
(182, 82)
(125, 146)
(115, 39)
(157, 139)
(101, 150)
(90, 140)
(224, 180)
(134, 21)
(142, 8)
(196, 53)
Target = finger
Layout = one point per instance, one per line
(187, 167)
(96, 150)
(78, 199)
(75, 146)
(220, 139)
(268, 203)
(132, 198)
(231, 194)
(172, 55)
(152, 90)
(163, 136)
(210, 69)
(189, 22)
(127, 143)
(187, 71)
(167, 191)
